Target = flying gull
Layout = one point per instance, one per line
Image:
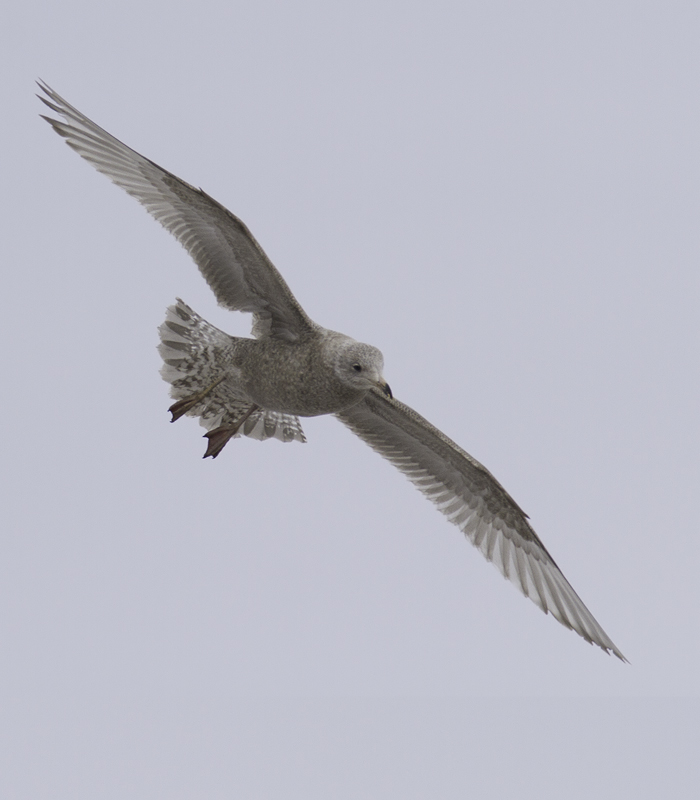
(294, 368)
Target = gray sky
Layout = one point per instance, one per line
(502, 197)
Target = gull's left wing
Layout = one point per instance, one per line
(471, 498)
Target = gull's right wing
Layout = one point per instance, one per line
(234, 265)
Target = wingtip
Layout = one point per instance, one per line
(52, 100)
(45, 88)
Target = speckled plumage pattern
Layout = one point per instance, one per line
(293, 367)
(194, 353)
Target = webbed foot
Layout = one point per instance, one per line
(219, 437)
(186, 404)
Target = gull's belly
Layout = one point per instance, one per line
(295, 392)
(293, 379)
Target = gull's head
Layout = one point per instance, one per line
(360, 366)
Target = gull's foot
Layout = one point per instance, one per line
(186, 404)
(219, 437)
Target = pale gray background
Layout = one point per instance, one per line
(504, 198)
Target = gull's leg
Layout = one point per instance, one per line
(184, 405)
(219, 437)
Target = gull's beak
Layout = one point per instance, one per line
(384, 386)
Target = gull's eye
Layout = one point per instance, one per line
(357, 367)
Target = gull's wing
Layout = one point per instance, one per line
(470, 497)
(233, 264)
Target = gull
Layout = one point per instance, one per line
(294, 368)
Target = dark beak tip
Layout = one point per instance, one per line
(387, 391)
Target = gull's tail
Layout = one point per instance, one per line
(197, 365)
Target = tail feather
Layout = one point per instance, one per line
(195, 354)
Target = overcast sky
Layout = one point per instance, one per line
(504, 198)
